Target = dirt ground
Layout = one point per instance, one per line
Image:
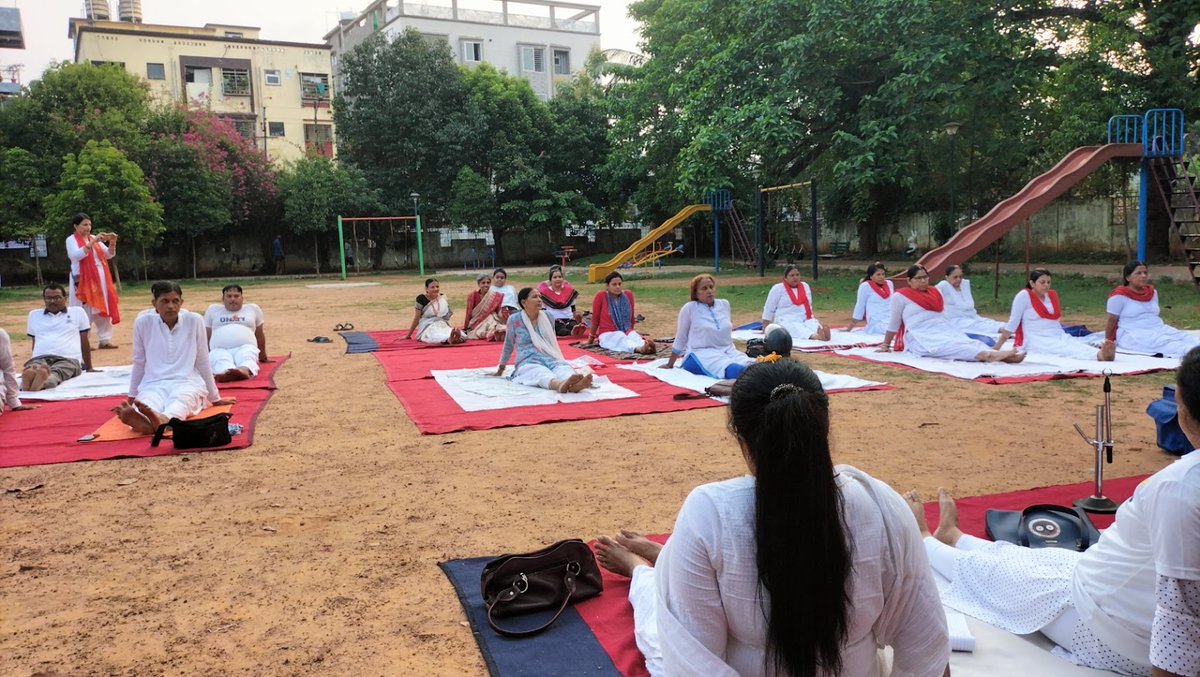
(175, 573)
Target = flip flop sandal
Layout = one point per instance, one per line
(320, 339)
(344, 327)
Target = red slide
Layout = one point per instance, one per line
(1009, 213)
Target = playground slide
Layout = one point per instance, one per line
(598, 271)
(1013, 211)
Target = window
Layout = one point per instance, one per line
(274, 129)
(318, 139)
(199, 75)
(234, 34)
(314, 86)
(533, 59)
(271, 77)
(243, 126)
(156, 71)
(235, 82)
(472, 51)
(562, 62)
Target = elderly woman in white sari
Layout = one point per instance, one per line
(431, 321)
(960, 305)
(800, 567)
(540, 362)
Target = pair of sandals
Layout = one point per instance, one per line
(343, 327)
(320, 339)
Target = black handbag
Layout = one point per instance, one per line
(756, 347)
(1043, 526)
(200, 433)
(550, 578)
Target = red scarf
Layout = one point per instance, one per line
(799, 298)
(1146, 295)
(1039, 307)
(930, 299)
(884, 290)
(91, 289)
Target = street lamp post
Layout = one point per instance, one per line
(416, 197)
(952, 131)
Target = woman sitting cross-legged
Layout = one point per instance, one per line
(485, 315)
(919, 327)
(789, 307)
(1130, 603)
(431, 321)
(1035, 322)
(960, 305)
(705, 334)
(799, 568)
(872, 305)
(558, 301)
(540, 363)
(613, 317)
(1133, 319)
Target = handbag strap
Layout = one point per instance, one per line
(511, 593)
(159, 433)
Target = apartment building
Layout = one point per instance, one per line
(276, 93)
(543, 41)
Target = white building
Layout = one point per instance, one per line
(543, 41)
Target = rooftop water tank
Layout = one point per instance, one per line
(130, 11)
(96, 9)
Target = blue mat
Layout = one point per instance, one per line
(359, 342)
(568, 648)
(751, 326)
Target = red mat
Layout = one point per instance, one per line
(50, 433)
(407, 365)
(611, 617)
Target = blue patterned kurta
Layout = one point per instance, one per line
(518, 337)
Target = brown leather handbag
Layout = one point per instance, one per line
(550, 578)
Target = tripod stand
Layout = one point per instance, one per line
(1103, 443)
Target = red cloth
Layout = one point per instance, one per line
(799, 298)
(1040, 308)
(884, 290)
(601, 322)
(558, 300)
(1145, 295)
(41, 437)
(91, 289)
(930, 299)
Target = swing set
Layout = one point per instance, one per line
(378, 222)
(782, 213)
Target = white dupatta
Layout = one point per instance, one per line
(538, 335)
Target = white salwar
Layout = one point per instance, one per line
(960, 309)
(873, 308)
(621, 342)
(171, 372)
(707, 332)
(1042, 336)
(930, 334)
(1141, 329)
(435, 326)
(697, 612)
(104, 327)
(779, 310)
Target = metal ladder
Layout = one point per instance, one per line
(1177, 188)
(741, 241)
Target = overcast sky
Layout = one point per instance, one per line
(45, 23)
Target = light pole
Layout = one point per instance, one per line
(952, 131)
(416, 197)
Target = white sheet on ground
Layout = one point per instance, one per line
(477, 390)
(1097, 339)
(107, 382)
(839, 339)
(1034, 365)
(682, 378)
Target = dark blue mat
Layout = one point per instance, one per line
(359, 342)
(568, 648)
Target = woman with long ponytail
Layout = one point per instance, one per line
(800, 568)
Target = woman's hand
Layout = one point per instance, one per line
(499, 371)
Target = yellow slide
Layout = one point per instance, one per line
(598, 271)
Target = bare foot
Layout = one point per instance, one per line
(648, 348)
(585, 382)
(918, 509)
(37, 376)
(1012, 357)
(823, 334)
(1108, 352)
(571, 385)
(616, 557)
(947, 529)
(156, 419)
(639, 545)
(134, 418)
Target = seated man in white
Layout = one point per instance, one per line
(61, 350)
(171, 375)
(236, 342)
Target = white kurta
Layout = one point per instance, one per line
(780, 310)
(930, 334)
(509, 293)
(1042, 336)
(960, 309)
(77, 254)
(709, 618)
(873, 308)
(1141, 329)
(171, 372)
(707, 332)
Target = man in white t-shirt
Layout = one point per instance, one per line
(61, 350)
(171, 376)
(236, 342)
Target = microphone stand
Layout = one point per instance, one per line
(1103, 443)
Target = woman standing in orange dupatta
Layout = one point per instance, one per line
(485, 317)
(1133, 319)
(91, 281)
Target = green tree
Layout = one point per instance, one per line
(472, 202)
(316, 191)
(20, 205)
(579, 148)
(101, 181)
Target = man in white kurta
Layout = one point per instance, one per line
(171, 375)
(236, 341)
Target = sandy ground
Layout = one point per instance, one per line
(175, 573)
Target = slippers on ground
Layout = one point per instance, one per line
(105, 345)
(343, 327)
(320, 339)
